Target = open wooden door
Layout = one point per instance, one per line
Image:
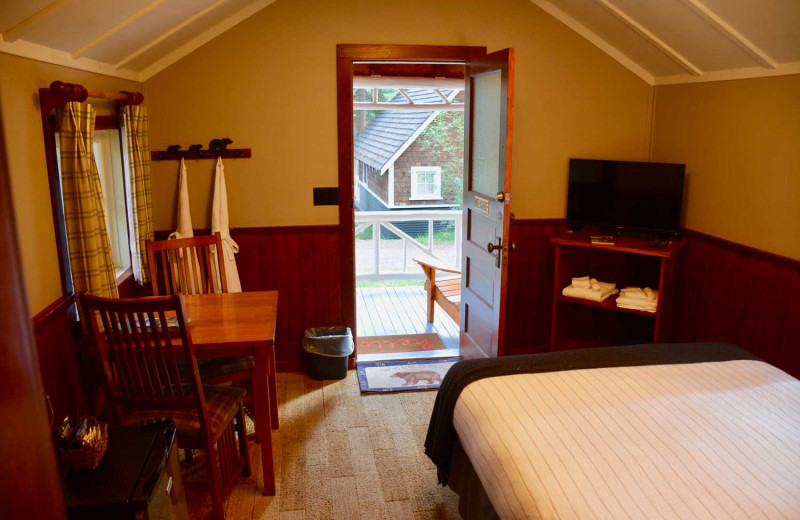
(487, 171)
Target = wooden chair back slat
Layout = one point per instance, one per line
(140, 353)
(188, 265)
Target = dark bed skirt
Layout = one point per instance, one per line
(473, 502)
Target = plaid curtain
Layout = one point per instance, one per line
(84, 210)
(140, 188)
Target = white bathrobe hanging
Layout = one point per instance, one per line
(184, 227)
(219, 222)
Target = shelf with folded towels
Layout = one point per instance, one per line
(635, 314)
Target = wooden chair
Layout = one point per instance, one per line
(189, 266)
(444, 291)
(140, 345)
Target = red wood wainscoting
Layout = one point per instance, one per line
(745, 296)
(529, 296)
(66, 371)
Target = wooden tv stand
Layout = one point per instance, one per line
(578, 323)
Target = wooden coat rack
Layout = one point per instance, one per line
(237, 153)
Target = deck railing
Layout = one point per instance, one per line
(393, 221)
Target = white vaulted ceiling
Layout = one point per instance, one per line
(662, 41)
(681, 41)
(132, 39)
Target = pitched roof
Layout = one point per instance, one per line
(391, 129)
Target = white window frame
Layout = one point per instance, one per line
(415, 173)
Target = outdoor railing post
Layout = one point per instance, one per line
(376, 247)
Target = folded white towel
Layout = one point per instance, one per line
(636, 293)
(651, 294)
(637, 304)
(602, 286)
(587, 294)
(582, 282)
(637, 307)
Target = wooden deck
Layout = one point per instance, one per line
(388, 311)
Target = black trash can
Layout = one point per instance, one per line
(327, 350)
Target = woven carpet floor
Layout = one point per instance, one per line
(341, 455)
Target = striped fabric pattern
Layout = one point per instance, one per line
(137, 142)
(222, 403)
(84, 209)
(704, 441)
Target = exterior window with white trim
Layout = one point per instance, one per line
(426, 183)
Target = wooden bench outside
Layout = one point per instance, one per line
(445, 291)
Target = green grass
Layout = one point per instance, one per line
(371, 284)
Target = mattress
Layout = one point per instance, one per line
(703, 440)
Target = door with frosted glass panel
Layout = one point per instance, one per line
(487, 183)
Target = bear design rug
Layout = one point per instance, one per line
(397, 376)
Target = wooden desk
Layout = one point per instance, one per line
(242, 324)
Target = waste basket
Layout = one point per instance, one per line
(327, 350)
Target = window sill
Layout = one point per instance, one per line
(425, 198)
(124, 276)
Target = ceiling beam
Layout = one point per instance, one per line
(732, 34)
(652, 38)
(138, 52)
(77, 53)
(13, 33)
(596, 40)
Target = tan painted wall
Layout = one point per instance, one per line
(20, 80)
(269, 84)
(740, 141)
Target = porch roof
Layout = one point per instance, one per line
(389, 132)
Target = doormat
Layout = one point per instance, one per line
(399, 343)
(397, 376)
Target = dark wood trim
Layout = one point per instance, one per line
(162, 234)
(344, 104)
(51, 312)
(415, 70)
(47, 102)
(760, 254)
(423, 53)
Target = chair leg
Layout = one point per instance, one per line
(242, 431)
(214, 480)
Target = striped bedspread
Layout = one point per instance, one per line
(717, 440)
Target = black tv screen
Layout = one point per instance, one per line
(625, 195)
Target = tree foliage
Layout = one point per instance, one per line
(444, 137)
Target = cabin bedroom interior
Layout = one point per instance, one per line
(710, 84)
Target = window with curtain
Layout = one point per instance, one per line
(113, 182)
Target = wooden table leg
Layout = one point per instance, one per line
(261, 391)
(273, 389)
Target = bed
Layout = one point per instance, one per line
(690, 431)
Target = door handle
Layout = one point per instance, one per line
(501, 247)
(501, 196)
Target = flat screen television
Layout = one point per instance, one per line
(625, 196)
